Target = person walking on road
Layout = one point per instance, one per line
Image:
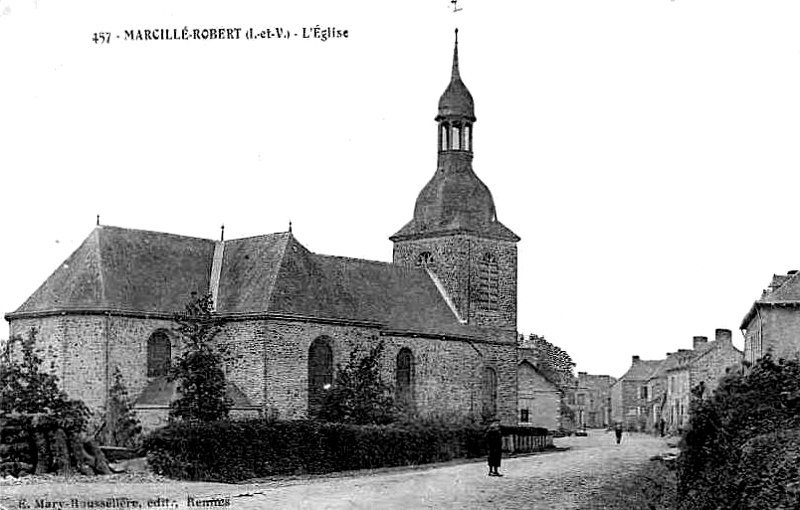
(494, 443)
(618, 432)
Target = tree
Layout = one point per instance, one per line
(201, 379)
(42, 427)
(26, 390)
(552, 361)
(122, 425)
(359, 395)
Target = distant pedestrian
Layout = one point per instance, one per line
(494, 443)
(618, 432)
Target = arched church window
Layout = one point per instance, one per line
(159, 354)
(488, 282)
(443, 136)
(456, 138)
(467, 138)
(404, 372)
(489, 392)
(425, 259)
(320, 373)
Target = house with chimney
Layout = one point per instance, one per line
(773, 322)
(685, 374)
(630, 394)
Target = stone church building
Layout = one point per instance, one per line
(445, 308)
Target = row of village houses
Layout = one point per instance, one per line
(654, 395)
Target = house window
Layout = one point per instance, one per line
(643, 392)
(404, 371)
(488, 282)
(320, 373)
(571, 399)
(159, 353)
(581, 399)
(489, 392)
(523, 416)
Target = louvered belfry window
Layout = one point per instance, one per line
(488, 283)
(320, 374)
(159, 353)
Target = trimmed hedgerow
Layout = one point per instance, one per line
(238, 450)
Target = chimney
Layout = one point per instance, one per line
(635, 359)
(698, 341)
(723, 335)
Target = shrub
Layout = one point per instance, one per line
(122, 425)
(237, 450)
(359, 395)
(725, 457)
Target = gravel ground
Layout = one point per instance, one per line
(561, 480)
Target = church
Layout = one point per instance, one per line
(445, 307)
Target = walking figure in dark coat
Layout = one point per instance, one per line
(494, 443)
(618, 432)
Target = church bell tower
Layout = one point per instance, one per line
(455, 233)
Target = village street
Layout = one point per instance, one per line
(558, 480)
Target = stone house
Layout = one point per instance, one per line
(696, 372)
(445, 308)
(629, 394)
(538, 398)
(592, 400)
(773, 322)
(658, 406)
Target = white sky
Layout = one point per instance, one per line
(646, 151)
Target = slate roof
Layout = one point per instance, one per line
(140, 271)
(125, 269)
(783, 290)
(641, 370)
(455, 200)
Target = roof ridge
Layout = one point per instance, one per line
(158, 232)
(274, 277)
(356, 259)
(783, 286)
(257, 236)
(101, 266)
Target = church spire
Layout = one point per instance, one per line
(455, 74)
(455, 199)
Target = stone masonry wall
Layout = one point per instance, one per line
(128, 349)
(781, 331)
(539, 397)
(456, 260)
(711, 367)
(73, 348)
(446, 374)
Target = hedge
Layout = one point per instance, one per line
(232, 451)
(741, 450)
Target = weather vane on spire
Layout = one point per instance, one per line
(456, 8)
